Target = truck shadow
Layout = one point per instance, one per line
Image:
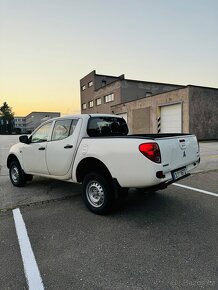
(161, 207)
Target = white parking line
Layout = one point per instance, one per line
(196, 189)
(31, 270)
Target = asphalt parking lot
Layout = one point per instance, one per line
(166, 240)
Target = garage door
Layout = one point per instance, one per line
(171, 119)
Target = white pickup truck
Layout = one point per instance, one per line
(97, 151)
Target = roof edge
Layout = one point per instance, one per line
(185, 87)
(195, 86)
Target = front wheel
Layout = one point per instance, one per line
(16, 173)
(98, 193)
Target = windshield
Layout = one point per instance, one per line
(107, 126)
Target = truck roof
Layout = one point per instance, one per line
(85, 116)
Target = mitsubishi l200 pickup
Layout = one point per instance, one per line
(97, 151)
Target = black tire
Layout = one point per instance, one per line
(98, 193)
(16, 173)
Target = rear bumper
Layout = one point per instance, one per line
(159, 186)
(164, 184)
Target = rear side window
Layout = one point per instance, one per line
(73, 126)
(107, 126)
(63, 129)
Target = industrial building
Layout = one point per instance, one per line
(151, 107)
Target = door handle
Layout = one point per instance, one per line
(68, 146)
(41, 148)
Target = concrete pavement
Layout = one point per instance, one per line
(162, 241)
(209, 156)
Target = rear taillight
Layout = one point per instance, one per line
(151, 151)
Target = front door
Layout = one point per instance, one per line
(34, 153)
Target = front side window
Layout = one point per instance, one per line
(41, 135)
(63, 129)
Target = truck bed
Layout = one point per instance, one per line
(144, 136)
(158, 135)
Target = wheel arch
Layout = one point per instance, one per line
(90, 164)
(12, 157)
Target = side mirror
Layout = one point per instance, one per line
(24, 139)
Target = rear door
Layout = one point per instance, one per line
(62, 147)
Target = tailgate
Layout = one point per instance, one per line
(177, 152)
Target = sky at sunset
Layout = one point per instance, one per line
(47, 46)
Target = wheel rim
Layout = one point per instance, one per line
(15, 174)
(95, 194)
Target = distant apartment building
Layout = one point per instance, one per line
(32, 120)
(152, 107)
(20, 124)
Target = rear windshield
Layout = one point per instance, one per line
(107, 126)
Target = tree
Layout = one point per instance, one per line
(6, 111)
(6, 119)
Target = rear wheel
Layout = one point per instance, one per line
(16, 173)
(98, 193)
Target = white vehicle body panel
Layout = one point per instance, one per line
(127, 164)
(178, 152)
(34, 158)
(122, 158)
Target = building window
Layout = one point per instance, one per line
(91, 104)
(98, 102)
(109, 98)
(90, 84)
(83, 106)
(83, 88)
